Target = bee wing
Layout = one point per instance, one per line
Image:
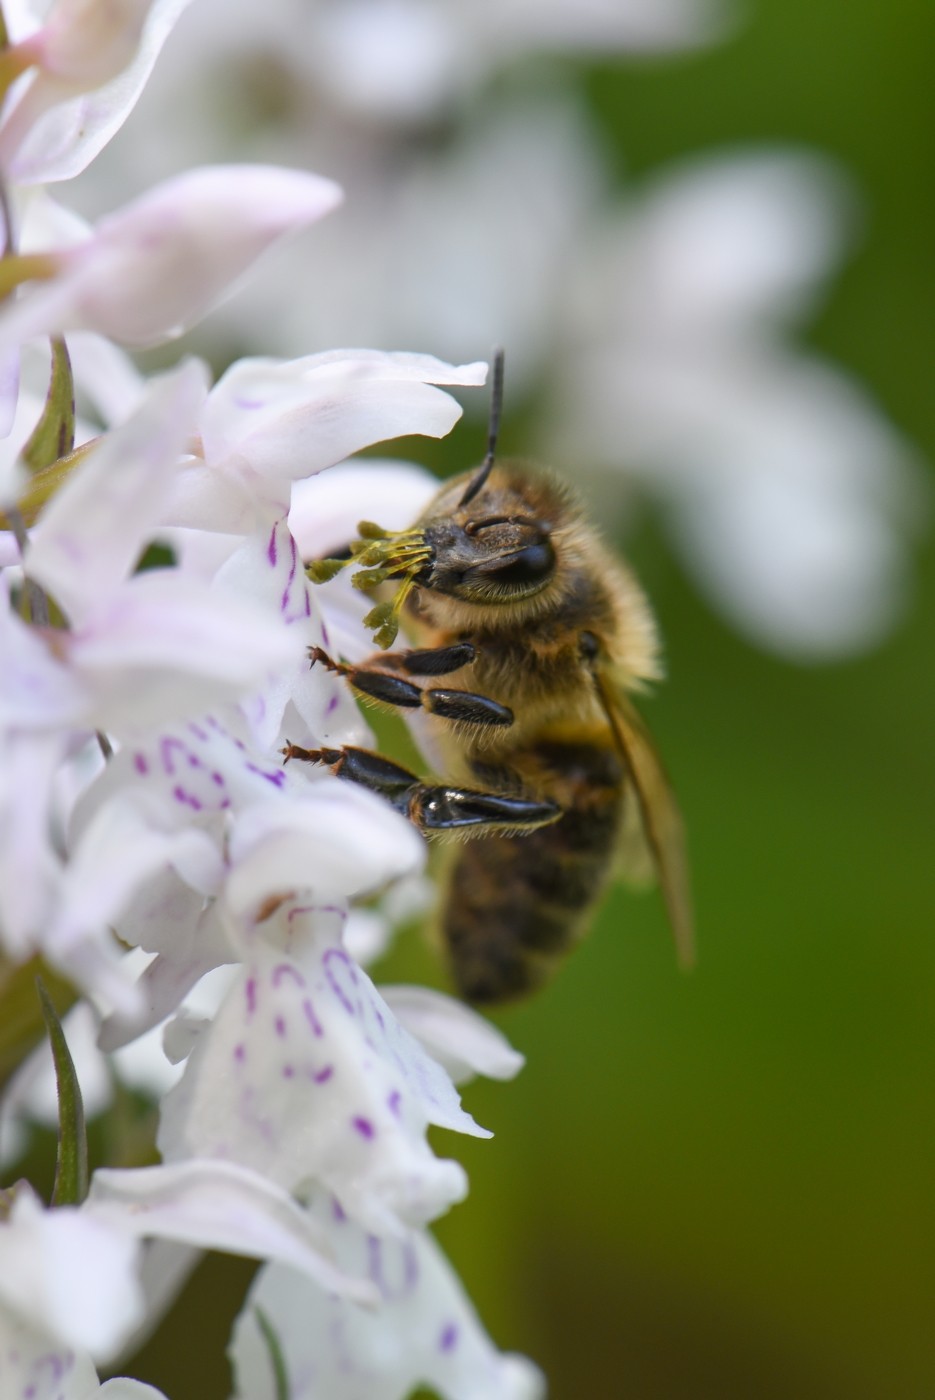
(661, 819)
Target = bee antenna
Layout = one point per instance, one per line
(493, 428)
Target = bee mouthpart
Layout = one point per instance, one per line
(384, 555)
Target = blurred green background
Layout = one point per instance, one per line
(720, 1184)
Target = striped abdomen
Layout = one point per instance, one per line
(516, 904)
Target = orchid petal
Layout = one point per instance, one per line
(340, 842)
(42, 1366)
(268, 572)
(165, 646)
(58, 134)
(179, 246)
(423, 1333)
(220, 1205)
(94, 530)
(291, 419)
(71, 1275)
(460, 1040)
(326, 508)
(306, 1076)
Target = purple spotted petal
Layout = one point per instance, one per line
(306, 1076)
(424, 1333)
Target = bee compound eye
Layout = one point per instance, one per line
(532, 564)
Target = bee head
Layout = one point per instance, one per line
(486, 544)
(486, 538)
(491, 549)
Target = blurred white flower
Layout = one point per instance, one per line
(411, 60)
(790, 496)
(68, 1275)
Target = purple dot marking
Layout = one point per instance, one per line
(288, 1071)
(277, 778)
(166, 747)
(140, 763)
(323, 1075)
(394, 1102)
(250, 990)
(271, 547)
(287, 971)
(364, 1127)
(280, 1026)
(240, 1053)
(448, 1338)
(188, 799)
(332, 705)
(311, 1018)
(339, 955)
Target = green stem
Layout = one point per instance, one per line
(71, 1164)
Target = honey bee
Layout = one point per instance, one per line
(539, 632)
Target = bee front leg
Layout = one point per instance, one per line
(372, 678)
(431, 807)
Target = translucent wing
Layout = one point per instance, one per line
(662, 821)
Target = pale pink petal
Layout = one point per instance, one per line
(159, 264)
(269, 422)
(94, 530)
(164, 646)
(58, 133)
(30, 867)
(36, 689)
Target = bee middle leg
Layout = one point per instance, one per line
(431, 807)
(376, 679)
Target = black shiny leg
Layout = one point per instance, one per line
(461, 706)
(431, 807)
